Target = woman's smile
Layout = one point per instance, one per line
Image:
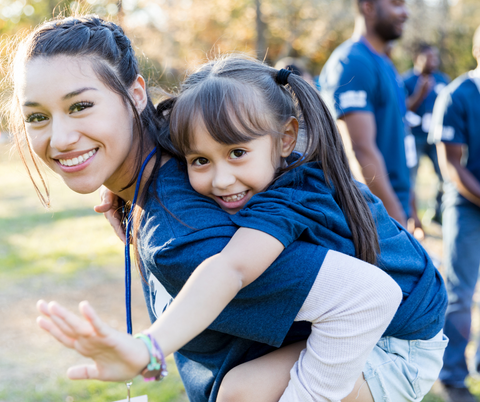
(79, 127)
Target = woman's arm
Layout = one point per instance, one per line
(210, 288)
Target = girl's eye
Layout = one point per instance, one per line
(237, 153)
(79, 106)
(200, 162)
(35, 118)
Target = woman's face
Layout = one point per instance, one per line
(80, 128)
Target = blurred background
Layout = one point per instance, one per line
(69, 253)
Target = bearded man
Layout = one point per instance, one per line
(367, 96)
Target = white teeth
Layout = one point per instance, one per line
(236, 197)
(79, 159)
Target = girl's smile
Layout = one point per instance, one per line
(79, 127)
(230, 174)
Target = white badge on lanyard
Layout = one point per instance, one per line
(410, 151)
(143, 398)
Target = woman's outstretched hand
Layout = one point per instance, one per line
(117, 356)
(110, 207)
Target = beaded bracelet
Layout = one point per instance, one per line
(157, 368)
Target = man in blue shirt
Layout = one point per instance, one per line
(365, 92)
(455, 128)
(423, 83)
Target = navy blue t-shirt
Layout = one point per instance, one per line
(180, 229)
(456, 120)
(301, 206)
(410, 79)
(357, 79)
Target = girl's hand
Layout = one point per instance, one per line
(110, 205)
(117, 356)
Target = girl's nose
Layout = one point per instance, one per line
(64, 136)
(223, 178)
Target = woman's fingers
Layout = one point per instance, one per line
(84, 372)
(109, 207)
(106, 200)
(113, 217)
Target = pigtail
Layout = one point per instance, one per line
(324, 144)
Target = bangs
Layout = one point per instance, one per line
(230, 113)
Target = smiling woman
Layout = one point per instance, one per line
(80, 128)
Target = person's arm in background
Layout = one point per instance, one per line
(422, 89)
(449, 158)
(360, 127)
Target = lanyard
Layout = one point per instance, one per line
(383, 61)
(128, 276)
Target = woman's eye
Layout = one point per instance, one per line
(79, 106)
(237, 153)
(200, 162)
(35, 118)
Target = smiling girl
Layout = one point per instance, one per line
(87, 115)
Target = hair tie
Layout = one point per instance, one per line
(282, 76)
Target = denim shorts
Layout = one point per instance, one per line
(401, 370)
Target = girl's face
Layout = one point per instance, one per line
(232, 174)
(80, 128)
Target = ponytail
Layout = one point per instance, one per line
(324, 144)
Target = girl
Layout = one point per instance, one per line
(85, 110)
(236, 125)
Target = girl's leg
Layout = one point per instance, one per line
(263, 379)
(350, 305)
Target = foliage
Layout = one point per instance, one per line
(178, 35)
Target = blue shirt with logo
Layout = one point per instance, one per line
(358, 79)
(455, 120)
(425, 109)
(181, 228)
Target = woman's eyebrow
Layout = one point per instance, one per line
(78, 92)
(67, 96)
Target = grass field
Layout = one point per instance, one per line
(69, 253)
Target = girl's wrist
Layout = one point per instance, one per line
(156, 367)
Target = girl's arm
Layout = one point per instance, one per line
(213, 285)
(210, 288)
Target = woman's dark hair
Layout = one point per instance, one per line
(238, 99)
(113, 60)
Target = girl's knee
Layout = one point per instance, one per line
(232, 388)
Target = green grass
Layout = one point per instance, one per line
(35, 240)
(170, 389)
(59, 243)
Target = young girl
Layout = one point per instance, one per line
(88, 117)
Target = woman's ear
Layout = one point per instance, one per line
(138, 93)
(289, 138)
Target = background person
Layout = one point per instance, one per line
(423, 83)
(455, 129)
(367, 95)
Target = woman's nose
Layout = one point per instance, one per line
(64, 135)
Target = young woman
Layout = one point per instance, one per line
(87, 115)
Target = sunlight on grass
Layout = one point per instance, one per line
(68, 237)
(170, 389)
(60, 242)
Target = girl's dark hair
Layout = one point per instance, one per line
(238, 99)
(110, 52)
